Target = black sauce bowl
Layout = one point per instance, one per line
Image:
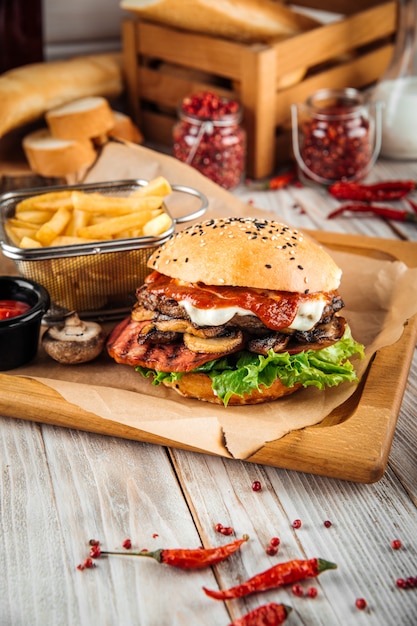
(19, 335)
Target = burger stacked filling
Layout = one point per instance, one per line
(210, 320)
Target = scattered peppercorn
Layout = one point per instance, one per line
(87, 564)
(396, 544)
(256, 486)
(297, 523)
(312, 592)
(271, 550)
(275, 541)
(327, 523)
(406, 583)
(297, 590)
(127, 544)
(361, 604)
(95, 551)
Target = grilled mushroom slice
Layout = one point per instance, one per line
(226, 343)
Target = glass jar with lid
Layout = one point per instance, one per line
(336, 136)
(209, 136)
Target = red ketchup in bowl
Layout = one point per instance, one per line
(12, 308)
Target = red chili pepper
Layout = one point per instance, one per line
(188, 559)
(276, 576)
(386, 212)
(271, 614)
(413, 205)
(387, 190)
(277, 182)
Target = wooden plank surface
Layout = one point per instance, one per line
(59, 487)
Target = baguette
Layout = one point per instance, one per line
(52, 157)
(28, 92)
(247, 21)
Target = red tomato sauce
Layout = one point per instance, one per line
(12, 308)
(276, 309)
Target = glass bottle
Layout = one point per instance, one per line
(397, 89)
(336, 136)
(20, 33)
(209, 137)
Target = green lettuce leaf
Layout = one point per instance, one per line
(244, 371)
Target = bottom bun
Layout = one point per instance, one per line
(193, 385)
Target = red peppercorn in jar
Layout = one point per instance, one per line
(209, 137)
(336, 136)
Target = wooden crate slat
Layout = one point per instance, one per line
(168, 90)
(333, 40)
(209, 54)
(358, 73)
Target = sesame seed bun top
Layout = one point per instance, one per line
(247, 252)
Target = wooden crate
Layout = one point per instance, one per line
(162, 65)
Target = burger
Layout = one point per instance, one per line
(238, 311)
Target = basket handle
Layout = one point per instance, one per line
(198, 212)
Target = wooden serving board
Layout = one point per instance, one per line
(352, 443)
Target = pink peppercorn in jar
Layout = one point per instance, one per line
(209, 137)
(336, 136)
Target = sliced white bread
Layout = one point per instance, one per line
(125, 129)
(53, 157)
(81, 119)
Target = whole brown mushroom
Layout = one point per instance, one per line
(74, 341)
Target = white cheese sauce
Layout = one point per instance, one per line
(307, 316)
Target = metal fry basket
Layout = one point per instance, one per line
(98, 280)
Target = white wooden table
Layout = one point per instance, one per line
(60, 487)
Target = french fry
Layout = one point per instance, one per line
(115, 225)
(114, 205)
(79, 219)
(28, 242)
(158, 186)
(16, 233)
(157, 225)
(54, 199)
(16, 223)
(34, 216)
(54, 227)
(68, 240)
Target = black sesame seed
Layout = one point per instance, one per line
(268, 266)
(300, 267)
(307, 291)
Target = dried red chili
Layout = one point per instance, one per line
(411, 204)
(271, 614)
(389, 213)
(276, 576)
(276, 182)
(387, 190)
(187, 559)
